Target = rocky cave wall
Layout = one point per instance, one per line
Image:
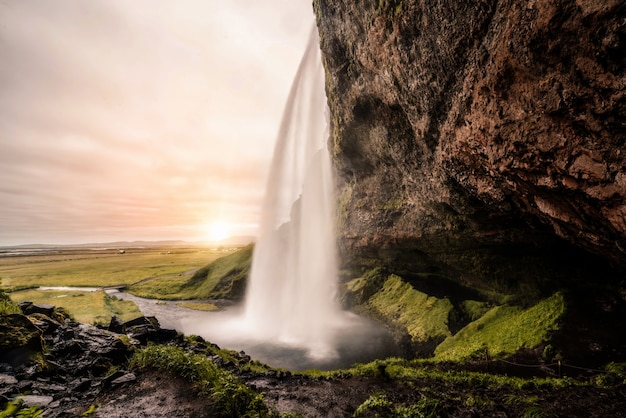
(478, 137)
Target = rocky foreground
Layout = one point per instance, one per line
(62, 368)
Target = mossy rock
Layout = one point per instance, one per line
(20, 339)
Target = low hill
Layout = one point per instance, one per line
(224, 278)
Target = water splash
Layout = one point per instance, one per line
(291, 293)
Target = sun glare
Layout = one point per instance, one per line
(217, 231)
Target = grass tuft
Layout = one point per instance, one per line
(230, 396)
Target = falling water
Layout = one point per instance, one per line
(291, 316)
(292, 288)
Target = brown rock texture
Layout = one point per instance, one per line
(460, 125)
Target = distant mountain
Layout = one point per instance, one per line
(232, 241)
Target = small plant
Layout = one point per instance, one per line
(534, 412)
(424, 408)
(617, 369)
(511, 399)
(477, 401)
(16, 409)
(7, 306)
(382, 407)
(378, 403)
(89, 412)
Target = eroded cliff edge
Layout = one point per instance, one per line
(481, 144)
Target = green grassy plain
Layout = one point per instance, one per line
(86, 307)
(103, 267)
(164, 267)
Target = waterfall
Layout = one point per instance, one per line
(291, 296)
(291, 317)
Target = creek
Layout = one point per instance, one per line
(356, 339)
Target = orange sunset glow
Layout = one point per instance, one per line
(141, 120)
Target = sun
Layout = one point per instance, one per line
(217, 231)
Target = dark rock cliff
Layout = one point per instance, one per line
(481, 140)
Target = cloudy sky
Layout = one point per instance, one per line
(142, 119)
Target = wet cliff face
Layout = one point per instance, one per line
(476, 136)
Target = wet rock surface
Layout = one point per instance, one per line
(477, 126)
(60, 364)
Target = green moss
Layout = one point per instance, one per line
(17, 409)
(20, 340)
(358, 291)
(504, 330)
(424, 317)
(474, 309)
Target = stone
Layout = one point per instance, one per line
(6, 380)
(29, 308)
(116, 325)
(36, 400)
(19, 339)
(126, 378)
(143, 320)
(80, 385)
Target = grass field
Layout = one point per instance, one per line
(86, 307)
(102, 267)
(168, 266)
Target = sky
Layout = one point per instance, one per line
(142, 119)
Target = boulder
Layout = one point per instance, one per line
(29, 308)
(116, 325)
(20, 340)
(40, 401)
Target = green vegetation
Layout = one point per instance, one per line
(230, 396)
(484, 328)
(102, 267)
(223, 278)
(160, 273)
(424, 317)
(87, 307)
(382, 407)
(419, 369)
(198, 306)
(17, 409)
(7, 306)
(474, 309)
(504, 330)
(89, 412)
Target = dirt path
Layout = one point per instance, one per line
(157, 394)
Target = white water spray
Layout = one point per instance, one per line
(291, 317)
(291, 294)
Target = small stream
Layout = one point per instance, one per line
(356, 339)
